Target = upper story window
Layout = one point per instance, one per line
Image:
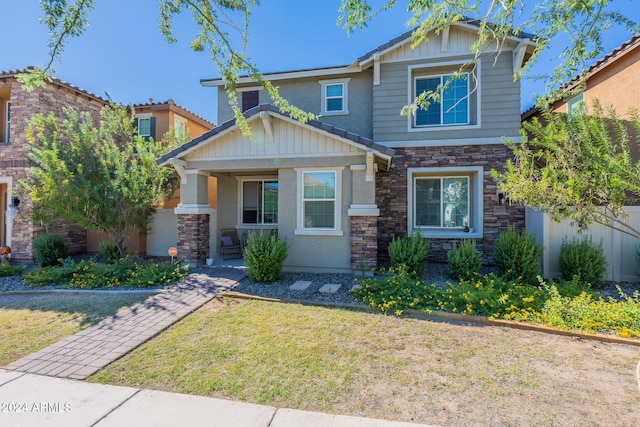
(145, 124)
(8, 123)
(179, 127)
(250, 99)
(452, 104)
(259, 201)
(335, 96)
(576, 103)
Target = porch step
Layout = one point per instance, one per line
(330, 288)
(300, 285)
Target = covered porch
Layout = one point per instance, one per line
(312, 184)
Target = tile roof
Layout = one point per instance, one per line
(151, 103)
(271, 108)
(14, 73)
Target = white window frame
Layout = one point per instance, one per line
(476, 202)
(325, 98)
(241, 181)
(576, 103)
(7, 123)
(143, 116)
(474, 78)
(300, 227)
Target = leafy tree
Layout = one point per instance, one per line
(577, 166)
(100, 177)
(222, 31)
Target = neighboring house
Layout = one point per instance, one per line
(614, 81)
(17, 106)
(338, 189)
(154, 120)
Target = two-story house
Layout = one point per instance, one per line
(17, 107)
(339, 188)
(613, 80)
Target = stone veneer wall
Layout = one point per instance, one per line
(364, 242)
(391, 196)
(193, 237)
(13, 156)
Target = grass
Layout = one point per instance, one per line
(350, 362)
(32, 322)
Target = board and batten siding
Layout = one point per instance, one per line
(290, 140)
(499, 106)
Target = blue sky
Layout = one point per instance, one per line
(124, 55)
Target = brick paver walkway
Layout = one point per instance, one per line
(80, 355)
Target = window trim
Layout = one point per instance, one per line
(241, 181)
(575, 103)
(144, 116)
(423, 70)
(476, 201)
(345, 96)
(177, 120)
(300, 227)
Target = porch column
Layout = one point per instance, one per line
(193, 213)
(363, 217)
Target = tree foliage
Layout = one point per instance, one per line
(100, 177)
(222, 28)
(577, 166)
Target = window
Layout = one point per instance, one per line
(442, 202)
(452, 106)
(576, 103)
(179, 127)
(334, 96)
(319, 202)
(144, 126)
(8, 123)
(250, 99)
(259, 202)
(445, 202)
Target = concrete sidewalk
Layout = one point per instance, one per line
(35, 400)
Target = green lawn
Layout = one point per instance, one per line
(350, 362)
(32, 322)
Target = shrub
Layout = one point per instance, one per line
(411, 251)
(572, 288)
(583, 259)
(464, 259)
(49, 249)
(11, 270)
(89, 274)
(394, 290)
(264, 256)
(517, 256)
(109, 252)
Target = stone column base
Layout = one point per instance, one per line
(364, 242)
(193, 238)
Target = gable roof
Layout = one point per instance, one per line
(58, 82)
(170, 104)
(364, 143)
(360, 63)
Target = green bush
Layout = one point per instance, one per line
(89, 274)
(11, 270)
(517, 256)
(583, 259)
(394, 290)
(411, 251)
(109, 251)
(572, 288)
(264, 257)
(464, 259)
(49, 249)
